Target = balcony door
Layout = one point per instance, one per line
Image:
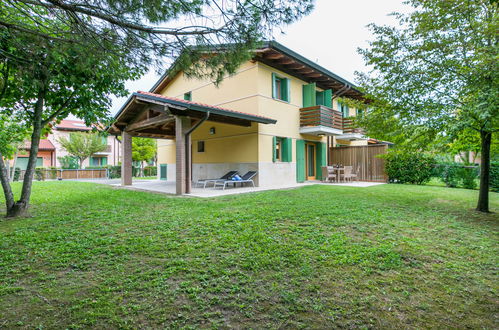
(310, 153)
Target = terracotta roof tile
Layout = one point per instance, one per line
(73, 125)
(199, 104)
(44, 145)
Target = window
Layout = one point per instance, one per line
(200, 146)
(188, 96)
(98, 161)
(281, 148)
(359, 112)
(278, 149)
(280, 88)
(343, 108)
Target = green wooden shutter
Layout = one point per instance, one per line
(300, 160)
(287, 90)
(274, 143)
(321, 159)
(309, 95)
(162, 171)
(287, 150)
(274, 87)
(328, 98)
(104, 161)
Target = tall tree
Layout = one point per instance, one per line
(436, 72)
(82, 145)
(143, 150)
(67, 57)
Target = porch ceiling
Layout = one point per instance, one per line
(153, 115)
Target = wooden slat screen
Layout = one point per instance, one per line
(363, 158)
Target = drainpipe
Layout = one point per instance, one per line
(187, 140)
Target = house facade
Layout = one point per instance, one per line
(50, 150)
(293, 149)
(278, 114)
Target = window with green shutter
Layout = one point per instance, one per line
(281, 149)
(280, 88)
(188, 96)
(343, 108)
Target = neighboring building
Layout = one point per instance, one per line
(50, 149)
(277, 86)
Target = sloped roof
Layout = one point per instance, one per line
(192, 105)
(44, 145)
(73, 125)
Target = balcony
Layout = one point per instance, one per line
(106, 151)
(320, 120)
(350, 132)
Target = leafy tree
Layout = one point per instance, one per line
(11, 135)
(66, 57)
(82, 145)
(143, 150)
(437, 73)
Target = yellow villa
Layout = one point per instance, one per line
(277, 115)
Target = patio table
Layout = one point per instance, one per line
(337, 171)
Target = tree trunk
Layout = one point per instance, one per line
(20, 207)
(483, 195)
(7, 191)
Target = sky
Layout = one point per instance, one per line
(330, 35)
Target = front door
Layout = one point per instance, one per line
(310, 161)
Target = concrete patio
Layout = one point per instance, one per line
(166, 187)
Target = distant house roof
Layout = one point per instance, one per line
(72, 125)
(284, 59)
(44, 145)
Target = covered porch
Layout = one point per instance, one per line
(156, 116)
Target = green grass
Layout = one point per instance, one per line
(390, 256)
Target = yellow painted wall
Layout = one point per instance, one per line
(248, 90)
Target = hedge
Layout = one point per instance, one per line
(408, 167)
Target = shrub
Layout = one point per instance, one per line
(457, 175)
(40, 174)
(494, 176)
(69, 162)
(17, 174)
(468, 177)
(150, 171)
(408, 167)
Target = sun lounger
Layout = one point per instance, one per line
(247, 178)
(225, 177)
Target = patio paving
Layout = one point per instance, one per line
(168, 187)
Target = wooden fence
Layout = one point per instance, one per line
(55, 174)
(363, 159)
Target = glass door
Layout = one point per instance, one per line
(310, 161)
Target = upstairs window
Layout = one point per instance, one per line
(343, 108)
(280, 88)
(200, 146)
(188, 96)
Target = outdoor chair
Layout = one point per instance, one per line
(247, 178)
(328, 174)
(227, 176)
(347, 173)
(355, 175)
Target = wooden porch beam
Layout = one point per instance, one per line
(154, 121)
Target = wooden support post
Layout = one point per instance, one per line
(182, 125)
(126, 163)
(188, 164)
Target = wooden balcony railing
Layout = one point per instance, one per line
(349, 128)
(320, 115)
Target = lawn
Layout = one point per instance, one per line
(390, 256)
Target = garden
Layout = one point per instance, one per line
(387, 256)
